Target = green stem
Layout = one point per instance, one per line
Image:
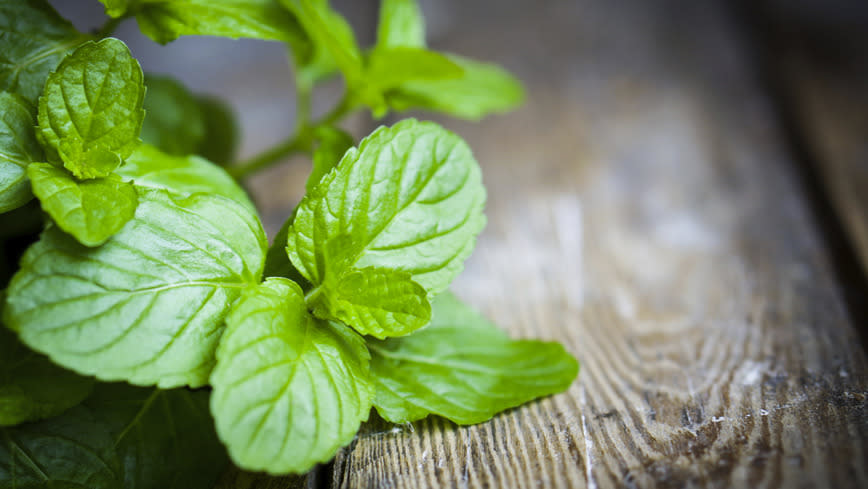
(300, 142)
(312, 294)
(341, 109)
(303, 98)
(297, 143)
(109, 27)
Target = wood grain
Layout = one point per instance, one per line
(642, 210)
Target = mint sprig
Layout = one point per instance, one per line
(153, 268)
(289, 389)
(406, 205)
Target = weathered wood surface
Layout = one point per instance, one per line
(643, 210)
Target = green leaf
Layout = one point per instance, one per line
(90, 210)
(115, 8)
(181, 123)
(31, 387)
(173, 119)
(377, 302)
(331, 33)
(91, 111)
(18, 148)
(463, 368)
(181, 175)
(401, 24)
(367, 80)
(410, 199)
(122, 436)
(482, 89)
(333, 143)
(392, 67)
(34, 39)
(220, 143)
(166, 20)
(289, 390)
(148, 305)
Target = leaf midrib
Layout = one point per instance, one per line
(12, 159)
(107, 291)
(141, 412)
(31, 464)
(437, 362)
(412, 199)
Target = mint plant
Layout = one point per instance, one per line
(148, 328)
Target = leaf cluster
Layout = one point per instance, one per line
(134, 268)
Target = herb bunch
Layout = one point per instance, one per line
(137, 272)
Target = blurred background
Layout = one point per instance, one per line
(811, 57)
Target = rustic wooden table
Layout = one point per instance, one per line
(653, 208)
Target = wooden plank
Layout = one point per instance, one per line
(643, 210)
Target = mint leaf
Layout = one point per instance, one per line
(166, 20)
(181, 175)
(181, 123)
(410, 199)
(115, 8)
(220, 143)
(90, 210)
(463, 368)
(392, 67)
(148, 305)
(401, 24)
(377, 302)
(173, 120)
(31, 387)
(289, 390)
(330, 33)
(481, 90)
(368, 78)
(333, 143)
(122, 436)
(34, 40)
(90, 113)
(18, 148)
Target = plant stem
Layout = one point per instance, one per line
(312, 294)
(296, 143)
(303, 95)
(299, 142)
(341, 109)
(109, 27)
